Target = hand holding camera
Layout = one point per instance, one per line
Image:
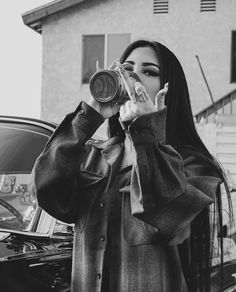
(115, 90)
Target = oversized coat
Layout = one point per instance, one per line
(128, 222)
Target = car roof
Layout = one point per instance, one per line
(51, 126)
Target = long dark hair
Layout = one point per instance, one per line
(181, 133)
(180, 129)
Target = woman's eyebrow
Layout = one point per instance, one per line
(143, 64)
(150, 64)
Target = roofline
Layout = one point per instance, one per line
(214, 106)
(33, 18)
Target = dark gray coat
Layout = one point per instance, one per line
(128, 222)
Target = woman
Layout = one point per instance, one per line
(139, 200)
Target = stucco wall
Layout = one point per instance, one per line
(184, 30)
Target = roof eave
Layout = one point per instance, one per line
(33, 18)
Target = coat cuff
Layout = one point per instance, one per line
(87, 119)
(173, 218)
(149, 128)
(84, 118)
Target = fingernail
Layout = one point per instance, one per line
(165, 89)
(117, 61)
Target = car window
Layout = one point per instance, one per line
(17, 203)
(20, 145)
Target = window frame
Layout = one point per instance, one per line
(232, 58)
(83, 54)
(105, 65)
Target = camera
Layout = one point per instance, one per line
(108, 86)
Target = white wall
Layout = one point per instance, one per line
(184, 30)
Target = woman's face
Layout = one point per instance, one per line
(144, 62)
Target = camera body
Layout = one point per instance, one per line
(108, 86)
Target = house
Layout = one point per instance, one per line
(76, 33)
(201, 33)
(216, 125)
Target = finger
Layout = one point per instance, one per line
(141, 92)
(122, 111)
(115, 108)
(114, 64)
(129, 86)
(128, 112)
(160, 97)
(128, 106)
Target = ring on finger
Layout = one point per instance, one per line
(141, 98)
(137, 99)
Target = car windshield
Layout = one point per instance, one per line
(20, 145)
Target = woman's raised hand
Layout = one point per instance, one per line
(140, 103)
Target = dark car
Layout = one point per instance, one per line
(35, 248)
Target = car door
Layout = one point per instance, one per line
(35, 248)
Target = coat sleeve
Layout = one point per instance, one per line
(166, 190)
(56, 178)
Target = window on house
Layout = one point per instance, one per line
(160, 6)
(207, 5)
(102, 49)
(233, 57)
(93, 51)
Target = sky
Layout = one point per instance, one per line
(20, 61)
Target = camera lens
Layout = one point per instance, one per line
(103, 86)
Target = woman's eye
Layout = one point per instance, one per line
(150, 72)
(128, 67)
